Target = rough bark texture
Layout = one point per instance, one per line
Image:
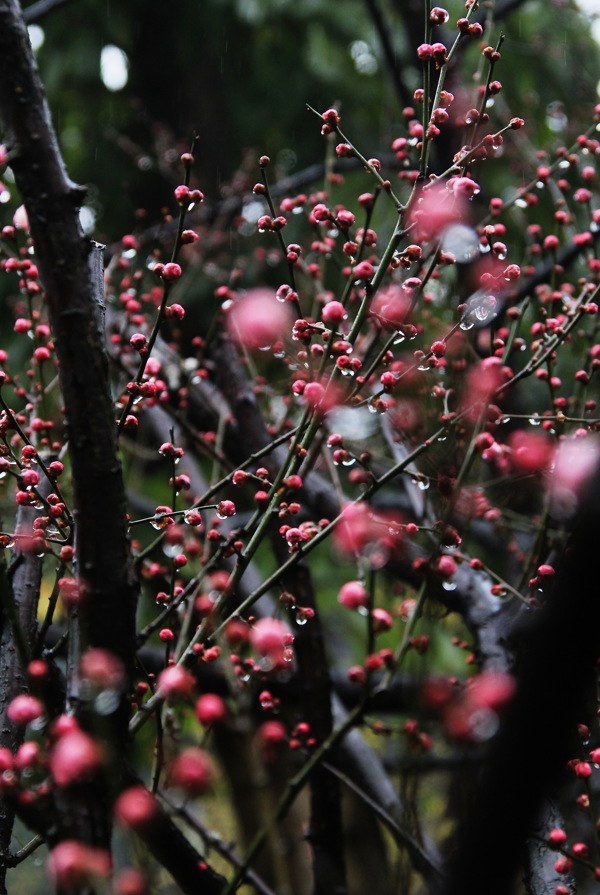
(105, 615)
(325, 833)
(556, 662)
(20, 588)
(52, 202)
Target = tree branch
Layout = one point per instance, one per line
(104, 615)
(556, 665)
(20, 591)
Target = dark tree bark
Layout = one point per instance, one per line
(325, 834)
(19, 595)
(52, 201)
(556, 653)
(104, 615)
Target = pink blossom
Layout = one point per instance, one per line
(24, 709)
(435, 208)
(175, 681)
(136, 807)
(353, 595)
(210, 709)
(271, 638)
(258, 320)
(193, 771)
(74, 758)
(74, 865)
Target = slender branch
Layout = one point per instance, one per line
(36, 11)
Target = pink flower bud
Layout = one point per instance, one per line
(210, 709)
(425, 52)
(313, 393)
(364, 270)
(333, 313)
(382, 621)
(171, 272)
(74, 865)
(175, 681)
(226, 508)
(24, 709)
(271, 638)
(75, 757)
(258, 319)
(192, 771)
(136, 808)
(353, 595)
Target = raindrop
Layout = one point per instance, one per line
(449, 585)
(520, 203)
(462, 242)
(399, 338)
(423, 483)
(301, 620)
(36, 37)
(466, 323)
(107, 702)
(534, 421)
(484, 724)
(114, 66)
(424, 367)
(349, 462)
(555, 117)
